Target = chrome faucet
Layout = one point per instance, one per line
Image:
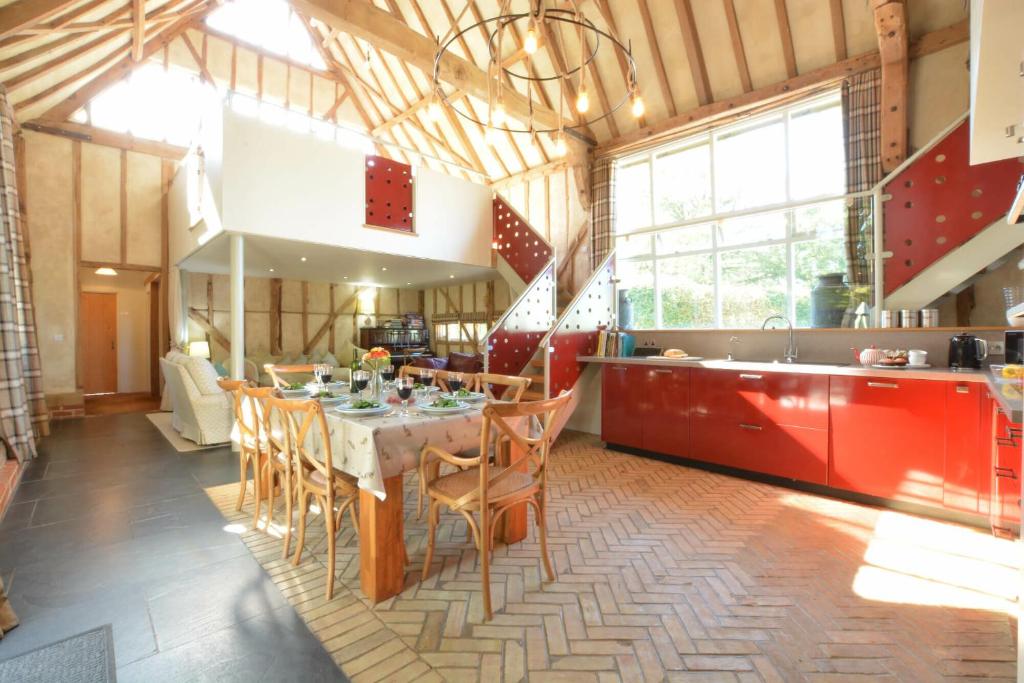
(791, 351)
(732, 340)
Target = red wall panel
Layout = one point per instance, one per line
(389, 194)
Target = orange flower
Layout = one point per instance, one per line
(376, 353)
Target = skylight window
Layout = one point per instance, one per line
(269, 24)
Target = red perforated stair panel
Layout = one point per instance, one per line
(939, 202)
(389, 194)
(576, 333)
(525, 250)
(511, 346)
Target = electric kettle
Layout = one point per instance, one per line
(967, 351)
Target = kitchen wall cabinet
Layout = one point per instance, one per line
(887, 438)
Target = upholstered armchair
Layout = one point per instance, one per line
(202, 410)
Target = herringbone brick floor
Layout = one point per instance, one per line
(671, 573)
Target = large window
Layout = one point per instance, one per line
(728, 227)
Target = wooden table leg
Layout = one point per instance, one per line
(512, 528)
(381, 560)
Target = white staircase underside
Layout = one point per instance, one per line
(958, 266)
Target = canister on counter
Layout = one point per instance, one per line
(909, 318)
(929, 317)
(889, 319)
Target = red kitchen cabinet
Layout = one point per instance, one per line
(887, 438)
(666, 407)
(1004, 513)
(799, 400)
(780, 450)
(967, 455)
(622, 397)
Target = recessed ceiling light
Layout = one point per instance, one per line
(451, 277)
(345, 278)
(106, 271)
(408, 284)
(303, 259)
(271, 270)
(383, 267)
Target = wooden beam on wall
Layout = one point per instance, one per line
(138, 28)
(329, 323)
(694, 54)
(738, 51)
(659, 64)
(208, 327)
(893, 47)
(276, 285)
(838, 29)
(786, 35)
(99, 136)
(24, 14)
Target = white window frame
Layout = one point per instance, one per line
(715, 218)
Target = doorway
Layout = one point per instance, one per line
(98, 311)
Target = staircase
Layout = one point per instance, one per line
(535, 368)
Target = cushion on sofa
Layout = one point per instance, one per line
(204, 375)
(465, 362)
(430, 362)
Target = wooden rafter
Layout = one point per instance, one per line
(659, 65)
(765, 96)
(838, 28)
(138, 28)
(204, 73)
(55, 24)
(606, 13)
(893, 47)
(786, 36)
(99, 136)
(209, 328)
(24, 14)
(694, 54)
(738, 51)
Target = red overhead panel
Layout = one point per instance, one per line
(520, 245)
(939, 202)
(576, 333)
(511, 346)
(389, 194)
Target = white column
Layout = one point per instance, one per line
(237, 306)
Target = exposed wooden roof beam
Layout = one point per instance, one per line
(138, 28)
(893, 39)
(838, 28)
(204, 73)
(737, 45)
(694, 54)
(368, 22)
(659, 65)
(408, 112)
(24, 14)
(99, 136)
(786, 35)
(767, 95)
(606, 13)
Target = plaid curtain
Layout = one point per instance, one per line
(602, 207)
(23, 414)
(861, 127)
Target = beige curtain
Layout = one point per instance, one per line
(862, 123)
(176, 321)
(602, 208)
(23, 414)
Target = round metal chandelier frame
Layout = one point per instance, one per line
(501, 21)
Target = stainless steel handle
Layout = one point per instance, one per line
(884, 385)
(745, 376)
(755, 428)
(662, 371)
(961, 389)
(618, 367)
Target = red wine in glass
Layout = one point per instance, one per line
(404, 391)
(455, 385)
(326, 378)
(388, 375)
(361, 384)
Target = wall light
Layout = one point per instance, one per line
(199, 349)
(106, 271)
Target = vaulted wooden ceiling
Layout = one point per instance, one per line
(694, 58)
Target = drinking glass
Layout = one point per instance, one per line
(360, 378)
(318, 375)
(387, 373)
(403, 385)
(326, 373)
(455, 382)
(427, 380)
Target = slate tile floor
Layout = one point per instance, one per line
(111, 525)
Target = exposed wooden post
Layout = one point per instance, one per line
(305, 316)
(330, 339)
(893, 45)
(275, 315)
(138, 29)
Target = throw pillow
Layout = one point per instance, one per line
(465, 362)
(204, 375)
(221, 370)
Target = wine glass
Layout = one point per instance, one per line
(326, 373)
(360, 378)
(387, 373)
(427, 379)
(403, 385)
(455, 382)
(318, 375)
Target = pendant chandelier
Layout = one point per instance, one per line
(508, 66)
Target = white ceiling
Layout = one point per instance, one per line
(330, 264)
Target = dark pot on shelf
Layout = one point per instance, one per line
(625, 310)
(829, 300)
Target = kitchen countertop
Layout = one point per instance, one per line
(1014, 408)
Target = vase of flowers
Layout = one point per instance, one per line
(375, 359)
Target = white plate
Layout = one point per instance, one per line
(354, 412)
(472, 398)
(333, 401)
(335, 387)
(901, 367)
(670, 357)
(444, 411)
(296, 393)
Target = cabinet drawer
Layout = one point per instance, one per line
(762, 397)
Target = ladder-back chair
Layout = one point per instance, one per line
(514, 386)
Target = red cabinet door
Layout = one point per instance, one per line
(966, 455)
(887, 437)
(622, 394)
(779, 450)
(1006, 473)
(666, 419)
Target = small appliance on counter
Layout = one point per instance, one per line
(1015, 347)
(967, 351)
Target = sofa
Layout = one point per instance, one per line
(255, 362)
(470, 363)
(201, 411)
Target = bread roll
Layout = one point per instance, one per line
(675, 353)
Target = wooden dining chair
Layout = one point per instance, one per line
(275, 372)
(442, 377)
(251, 445)
(278, 467)
(306, 433)
(416, 373)
(490, 490)
(514, 386)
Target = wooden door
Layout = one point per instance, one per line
(98, 312)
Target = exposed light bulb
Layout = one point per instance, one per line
(583, 100)
(638, 108)
(561, 149)
(498, 114)
(530, 41)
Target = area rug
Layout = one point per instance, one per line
(85, 658)
(162, 421)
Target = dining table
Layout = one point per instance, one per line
(378, 450)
